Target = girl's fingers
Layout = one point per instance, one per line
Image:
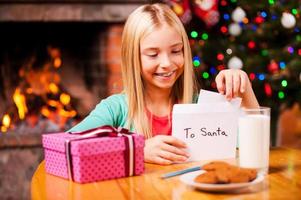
(236, 84)
(164, 150)
(173, 141)
(174, 150)
(243, 83)
(161, 161)
(171, 156)
(232, 83)
(220, 83)
(229, 86)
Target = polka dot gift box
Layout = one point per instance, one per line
(94, 155)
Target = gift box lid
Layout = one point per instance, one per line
(89, 146)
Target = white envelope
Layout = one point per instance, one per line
(206, 96)
(209, 129)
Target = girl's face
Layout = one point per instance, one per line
(162, 58)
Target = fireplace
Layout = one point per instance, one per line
(51, 74)
(58, 59)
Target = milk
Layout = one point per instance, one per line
(254, 141)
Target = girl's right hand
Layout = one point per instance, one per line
(164, 150)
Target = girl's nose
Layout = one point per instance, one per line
(165, 61)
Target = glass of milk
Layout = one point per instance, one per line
(254, 139)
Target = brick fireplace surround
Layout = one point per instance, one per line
(20, 154)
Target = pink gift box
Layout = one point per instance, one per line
(92, 159)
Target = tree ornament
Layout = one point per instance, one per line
(251, 44)
(229, 51)
(288, 20)
(268, 89)
(259, 31)
(273, 66)
(234, 29)
(238, 14)
(259, 20)
(182, 9)
(207, 10)
(235, 63)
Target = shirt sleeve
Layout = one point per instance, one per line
(107, 112)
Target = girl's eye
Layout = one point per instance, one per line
(177, 51)
(152, 55)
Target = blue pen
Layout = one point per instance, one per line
(180, 172)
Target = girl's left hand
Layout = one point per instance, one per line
(235, 83)
(232, 82)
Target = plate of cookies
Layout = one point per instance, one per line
(220, 176)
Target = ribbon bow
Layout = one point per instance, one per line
(105, 131)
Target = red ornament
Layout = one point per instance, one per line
(201, 42)
(224, 29)
(252, 76)
(207, 10)
(220, 56)
(220, 67)
(268, 89)
(273, 67)
(213, 84)
(259, 20)
(251, 44)
(223, 3)
(191, 42)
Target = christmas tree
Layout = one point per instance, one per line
(260, 37)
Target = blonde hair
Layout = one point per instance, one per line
(141, 22)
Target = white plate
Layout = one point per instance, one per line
(189, 180)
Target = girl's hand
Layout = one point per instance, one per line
(164, 150)
(235, 83)
(232, 82)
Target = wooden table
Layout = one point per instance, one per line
(283, 182)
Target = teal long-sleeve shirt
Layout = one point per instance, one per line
(110, 111)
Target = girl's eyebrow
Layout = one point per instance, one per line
(150, 48)
(155, 48)
(177, 44)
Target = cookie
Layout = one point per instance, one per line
(207, 177)
(219, 172)
(223, 175)
(215, 165)
(238, 176)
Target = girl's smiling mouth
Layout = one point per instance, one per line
(167, 74)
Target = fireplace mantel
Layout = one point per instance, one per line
(67, 10)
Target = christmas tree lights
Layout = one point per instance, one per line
(263, 38)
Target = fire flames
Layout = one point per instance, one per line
(20, 102)
(5, 123)
(40, 85)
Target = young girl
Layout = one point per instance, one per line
(157, 73)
